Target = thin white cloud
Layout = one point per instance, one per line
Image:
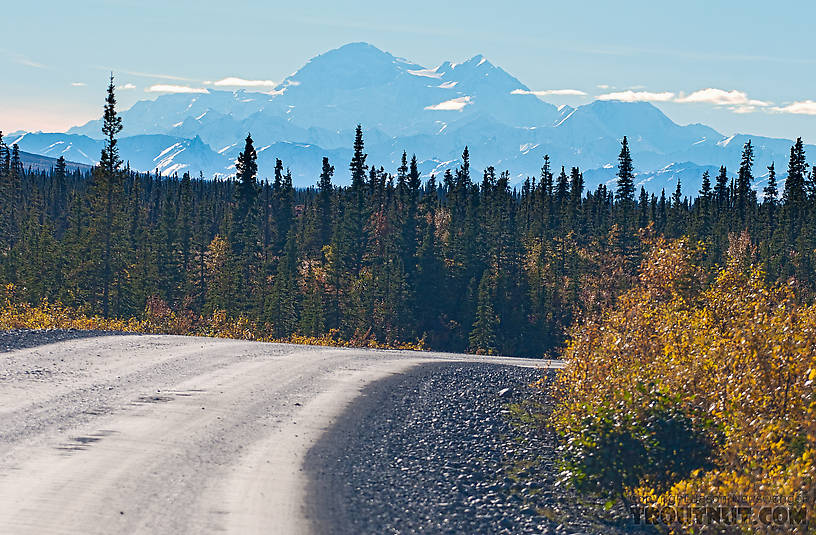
(170, 88)
(455, 104)
(734, 100)
(804, 107)
(233, 81)
(125, 87)
(721, 97)
(78, 84)
(743, 109)
(546, 92)
(604, 86)
(638, 96)
(22, 60)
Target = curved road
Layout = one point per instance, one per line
(170, 434)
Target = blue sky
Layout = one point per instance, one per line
(740, 66)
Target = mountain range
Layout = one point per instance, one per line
(38, 162)
(431, 112)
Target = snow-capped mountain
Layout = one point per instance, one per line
(432, 112)
(356, 83)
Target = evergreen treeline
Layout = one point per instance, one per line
(464, 262)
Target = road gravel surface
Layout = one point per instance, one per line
(170, 434)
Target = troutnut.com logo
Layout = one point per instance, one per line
(725, 510)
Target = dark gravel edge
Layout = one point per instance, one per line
(444, 448)
(14, 339)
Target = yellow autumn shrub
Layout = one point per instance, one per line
(733, 363)
(159, 318)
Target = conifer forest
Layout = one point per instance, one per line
(468, 260)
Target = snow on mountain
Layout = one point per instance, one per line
(432, 112)
(76, 148)
(167, 154)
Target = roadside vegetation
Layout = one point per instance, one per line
(158, 318)
(689, 388)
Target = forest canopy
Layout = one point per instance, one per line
(457, 262)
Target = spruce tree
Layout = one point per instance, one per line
(6, 197)
(4, 157)
(770, 190)
(626, 186)
(769, 204)
(243, 227)
(184, 221)
(324, 208)
(702, 207)
(430, 281)
(745, 198)
(409, 237)
(284, 298)
(643, 206)
(106, 203)
(625, 197)
(562, 193)
(721, 189)
(58, 196)
(677, 196)
(794, 196)
(283, 196)
(482, 336)
(246, 197)
(705, 186)
(358, 166)
(576, 193)
(675, 227)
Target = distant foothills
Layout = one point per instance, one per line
(431, 112)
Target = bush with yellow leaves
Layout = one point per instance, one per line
(684, 388)
(160, 318)
(46, 315)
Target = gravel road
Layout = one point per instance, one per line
(444, 448)
(166, 434)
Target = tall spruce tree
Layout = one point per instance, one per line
(745, 196)
(106, 204)
(770, 190)
(626, 185)
(324, 203)
(795, 196)
(246, 198)
(244, 226)
(721, 189)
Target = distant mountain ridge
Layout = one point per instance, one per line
(37, 162)
(402, 105)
